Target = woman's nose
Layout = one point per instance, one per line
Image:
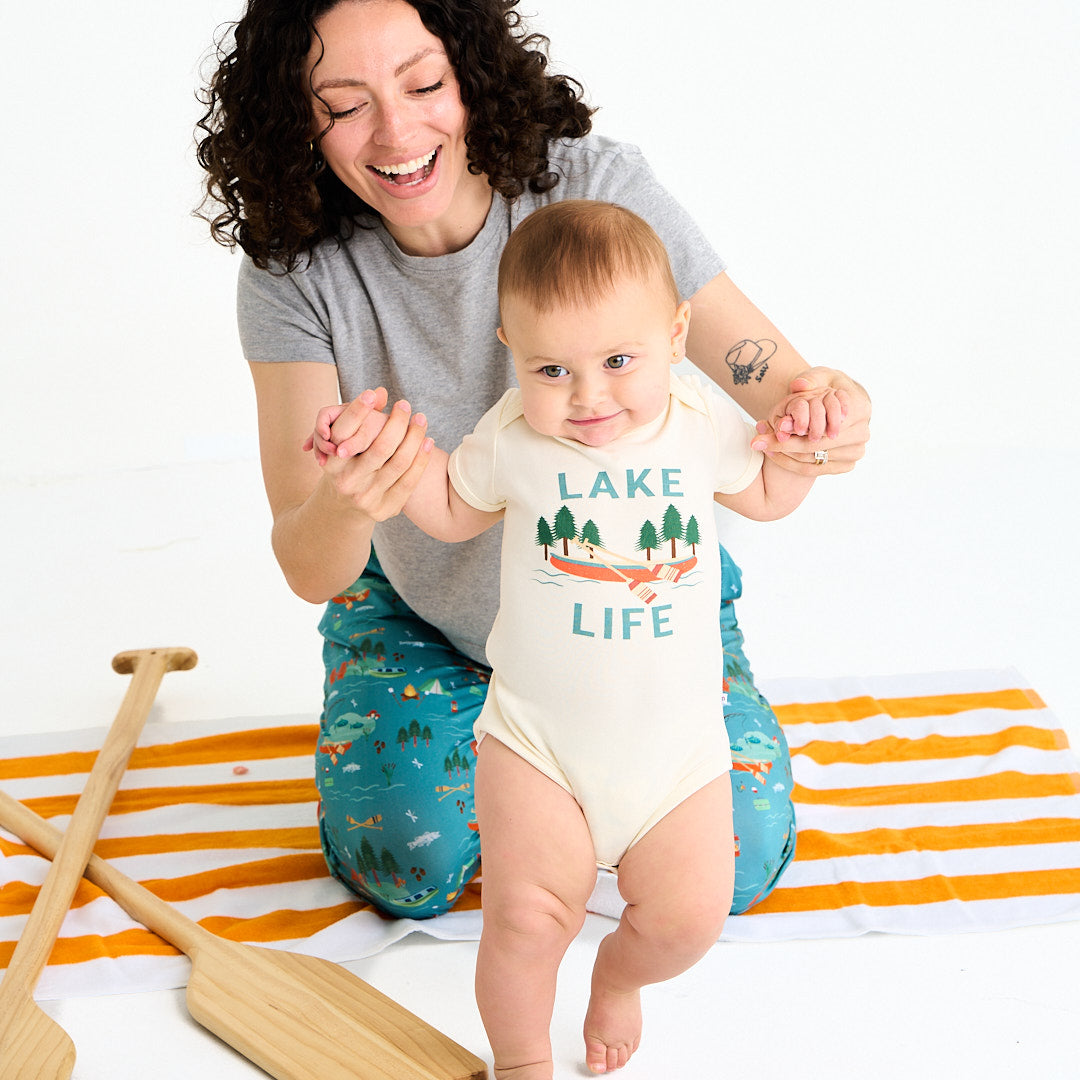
(392, 125)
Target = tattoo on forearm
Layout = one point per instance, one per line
(749, 358)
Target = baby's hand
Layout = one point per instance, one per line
(809, 411)
(345, 430)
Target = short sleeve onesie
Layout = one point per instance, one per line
(605, 663)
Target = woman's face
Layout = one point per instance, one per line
(398, 137)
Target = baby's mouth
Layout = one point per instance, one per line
(585, 421)
(407, 172)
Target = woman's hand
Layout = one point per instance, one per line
(346, 430)
(372, 460)
(825, 411)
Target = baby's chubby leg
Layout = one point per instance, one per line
(539, 869)
(677, 882)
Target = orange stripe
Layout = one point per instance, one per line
(135, 942)
(303, 837)
(929, 890)
(282, 925)
(17, 897)
(273, 926)
(277, 871)
(1003, 785)
(813, 844)
(859, 708)
(892, 748)
(258, 793)
(256, 744)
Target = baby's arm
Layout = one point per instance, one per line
(437, 508)
(774, 493)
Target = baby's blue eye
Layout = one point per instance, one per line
(617, 362)
(553, 371)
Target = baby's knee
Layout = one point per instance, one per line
(686, 927)
(532, 919)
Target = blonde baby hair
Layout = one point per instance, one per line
(572, 253)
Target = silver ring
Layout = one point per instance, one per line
(821, 457)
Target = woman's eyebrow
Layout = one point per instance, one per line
(349, 83)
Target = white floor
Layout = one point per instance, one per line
(908, 565)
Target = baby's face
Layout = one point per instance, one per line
(593, 373)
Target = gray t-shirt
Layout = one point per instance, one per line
(425, 329)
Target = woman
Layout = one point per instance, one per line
(371, 157)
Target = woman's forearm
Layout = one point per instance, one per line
(739, 348)
(322, 545)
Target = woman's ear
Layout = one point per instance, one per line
(680, 327)
(502, 337)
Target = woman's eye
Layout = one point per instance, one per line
(431, 89)
(553, 371)
(617, 362)
(342, 114)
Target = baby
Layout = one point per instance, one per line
(601, 741)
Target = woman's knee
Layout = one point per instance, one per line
(396, 878)
(765, 846)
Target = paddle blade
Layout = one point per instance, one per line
(302, 1018)
(33, 1046)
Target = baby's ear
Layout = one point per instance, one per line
(680, 327)
(502, 337)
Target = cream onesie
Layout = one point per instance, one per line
(605, 650)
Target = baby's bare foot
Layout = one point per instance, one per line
(538, 1070)
(612, 1028)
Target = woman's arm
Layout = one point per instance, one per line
(733, 343)
(324, 517)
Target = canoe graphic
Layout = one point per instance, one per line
(589, 568)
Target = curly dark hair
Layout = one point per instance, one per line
(266, 190)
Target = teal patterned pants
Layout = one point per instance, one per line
(396, 756)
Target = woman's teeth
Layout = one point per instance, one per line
(406, 168)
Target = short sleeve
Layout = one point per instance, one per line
(737, 463)
(278, 319)
(473, 465)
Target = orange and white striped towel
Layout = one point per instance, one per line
(926, 804)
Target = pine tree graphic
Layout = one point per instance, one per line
(647, 539)
(673, 526)
(693, 534)
(590, 534)
(565, 528)
(545, 538)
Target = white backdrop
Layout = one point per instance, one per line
(895, 185)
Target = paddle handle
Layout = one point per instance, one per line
(139, 902)
(72, 851)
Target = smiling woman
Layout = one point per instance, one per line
(282, 84)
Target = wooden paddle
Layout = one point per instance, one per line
(297, 1017)
(662, 570)
(32, 1045)
(638, 588)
